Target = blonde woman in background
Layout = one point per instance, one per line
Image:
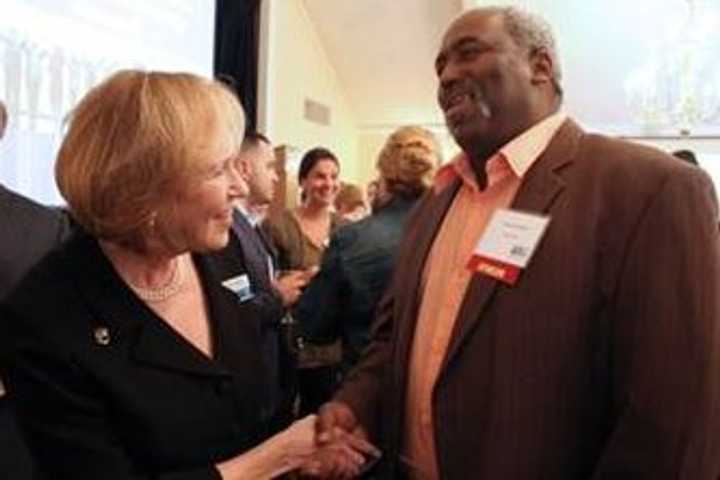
(130, 356)
(350, 203)
(340, 301)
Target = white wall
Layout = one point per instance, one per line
(295, 67)
(52, 53)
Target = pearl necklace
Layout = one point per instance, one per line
(170, 289)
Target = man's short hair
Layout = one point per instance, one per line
(532, 32)
(136, 138)
(253, 140)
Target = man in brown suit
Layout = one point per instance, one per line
(602, 358)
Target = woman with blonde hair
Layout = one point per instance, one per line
(340, 301)
(129, 352)
(350, 204)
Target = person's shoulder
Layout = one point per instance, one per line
(279, 225)
(41, 304)
(626, 164)
(49, 274)
(19, 206)
(281, 218)
(349, 232)
(612, 151)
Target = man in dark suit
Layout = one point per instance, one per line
(272, 295)
(555, 310)
(29, 231)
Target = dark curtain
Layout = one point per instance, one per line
(237, 42)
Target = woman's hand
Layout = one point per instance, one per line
(284, 452)
(297, 442)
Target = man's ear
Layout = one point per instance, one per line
(542, 66)
(242, 166)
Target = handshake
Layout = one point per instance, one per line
(332, 445)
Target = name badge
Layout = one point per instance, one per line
(508, 244)
(240, 286)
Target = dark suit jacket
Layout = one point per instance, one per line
(603, 361)
(255, 250)
(145, 403)
(29, 231)
(340, 301)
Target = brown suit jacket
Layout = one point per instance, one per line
(603, 361)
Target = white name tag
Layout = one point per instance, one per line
(508, 244)
(240, 286)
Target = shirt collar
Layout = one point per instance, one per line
(253, 219)
(518, 155)
(523, 150)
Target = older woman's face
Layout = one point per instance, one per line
(321, 183)
(202, 212)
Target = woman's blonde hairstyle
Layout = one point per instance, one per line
(408, 160)
(137, 138)
(349, 196)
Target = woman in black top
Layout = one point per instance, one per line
(129, 351)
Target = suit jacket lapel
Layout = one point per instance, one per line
(539, 189)
(420, 240)
(236, 332)
(254, 252)
(267, 243)
(126, 318)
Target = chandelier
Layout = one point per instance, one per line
(677, 89)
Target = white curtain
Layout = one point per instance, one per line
(52, 53)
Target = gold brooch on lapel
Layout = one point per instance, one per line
(102, 336)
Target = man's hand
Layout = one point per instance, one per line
(290, 286)
(334, 420)
(342, 443)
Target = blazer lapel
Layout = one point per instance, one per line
(236, 333)
(267, 243)
(117, 311)
(420, 240)
(539, 189)
(254, 252)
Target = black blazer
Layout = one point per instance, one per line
(29, 231)
(106, 389)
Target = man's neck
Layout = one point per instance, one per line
(253, 211)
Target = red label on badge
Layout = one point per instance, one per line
(501, 271)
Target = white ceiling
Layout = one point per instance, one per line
(383, 51)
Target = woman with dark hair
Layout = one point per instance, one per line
(300, 236)
(340, 301)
